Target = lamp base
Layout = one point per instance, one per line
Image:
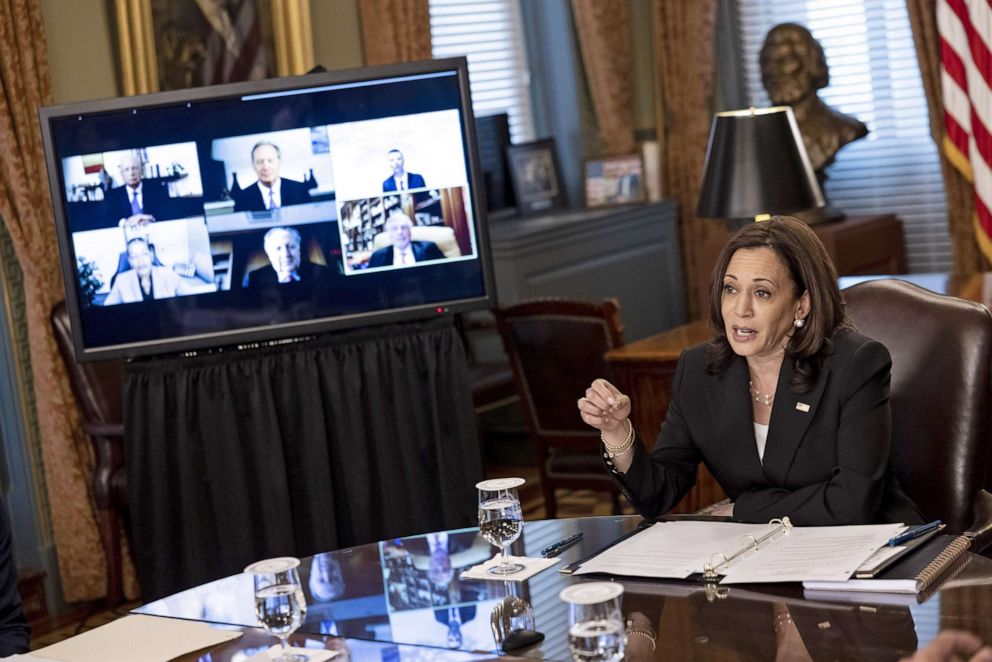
(818, 215)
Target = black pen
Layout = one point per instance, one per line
(906, 536)
(557, 548)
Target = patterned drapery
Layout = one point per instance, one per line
(25, 208)
(685, 70)
(968, 259)
(395, 30)
(603, 29)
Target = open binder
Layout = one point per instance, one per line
(732, 552)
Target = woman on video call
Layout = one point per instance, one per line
(144, 281)
(788, 406)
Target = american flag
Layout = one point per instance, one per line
(965, 28)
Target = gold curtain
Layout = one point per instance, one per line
(968, 259)
(685, 71)
(25, 208)
(395, 30)
(603, 28)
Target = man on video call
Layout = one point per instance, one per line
(270, 191)
(136, 197)
(400, 180)
(404, 251)
(282, 247)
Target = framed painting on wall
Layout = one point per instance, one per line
(176, 44)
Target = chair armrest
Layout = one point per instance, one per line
(103, 429)
(980, 531)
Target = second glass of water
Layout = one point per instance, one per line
(279, 601)
(501, 519)
(595, 621)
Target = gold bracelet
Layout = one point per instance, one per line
(634, 629)
(781, 620)
(626, 445)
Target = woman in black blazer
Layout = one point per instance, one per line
(788, 406)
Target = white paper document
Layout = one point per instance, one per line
(679, 549)
(148, 638)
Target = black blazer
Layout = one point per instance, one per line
(14, 631)
(308, 272)
(422, 251)
(413, 180)
(291, 192)
(826, 456)
(154, 198)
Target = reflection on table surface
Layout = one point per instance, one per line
(255, 641)
(407, 591)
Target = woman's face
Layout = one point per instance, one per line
(139, 258)
(759, 303)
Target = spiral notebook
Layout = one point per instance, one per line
(913, 573)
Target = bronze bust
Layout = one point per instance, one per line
(793, 68)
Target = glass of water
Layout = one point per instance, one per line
(595, 622)
(279, 601)
(501, 519)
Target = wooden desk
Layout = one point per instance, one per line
(644, 371)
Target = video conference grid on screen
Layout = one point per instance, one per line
(232, 213)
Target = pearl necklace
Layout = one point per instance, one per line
(759, 397)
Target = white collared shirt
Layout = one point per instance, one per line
(398, 255)
(276, 193)
(402, 183)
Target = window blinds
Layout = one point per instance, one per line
(490, 34)
(874, 75)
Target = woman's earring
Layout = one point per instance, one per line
(799, 323)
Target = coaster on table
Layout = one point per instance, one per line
(531, 566)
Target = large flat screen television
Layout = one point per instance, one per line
(272, 209)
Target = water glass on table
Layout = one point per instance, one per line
(501, 519)
(279, 601)
(595, 621)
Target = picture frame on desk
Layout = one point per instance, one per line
(535, 175)
(615, 180)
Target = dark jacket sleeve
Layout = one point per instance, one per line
(14, 631)
(657, 481)
(854, 490)
(432, 252)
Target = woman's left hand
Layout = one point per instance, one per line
(723, 510)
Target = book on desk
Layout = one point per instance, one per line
(914, 572)
(824, 558)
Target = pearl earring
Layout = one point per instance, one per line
(799, 323)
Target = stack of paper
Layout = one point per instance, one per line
(149, 638)
(680, 549)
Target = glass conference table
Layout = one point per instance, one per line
(402, 599)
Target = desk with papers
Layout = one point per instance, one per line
(383, 601)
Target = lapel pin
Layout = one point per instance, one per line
(802, 406)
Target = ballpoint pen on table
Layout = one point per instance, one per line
(912, 534)
(557, 548)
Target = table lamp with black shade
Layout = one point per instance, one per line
(757, 166)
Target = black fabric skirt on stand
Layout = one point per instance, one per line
(296, 449)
